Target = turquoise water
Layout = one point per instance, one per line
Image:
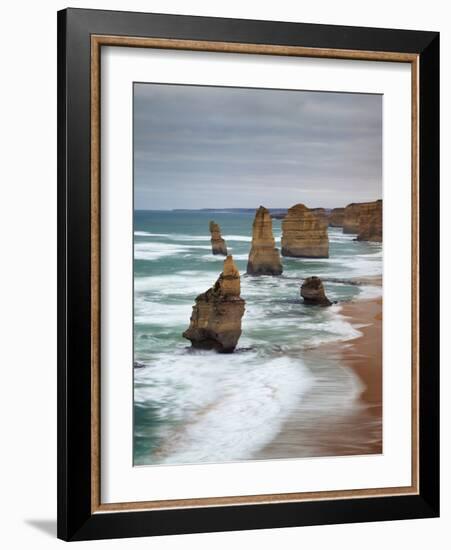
(204, 407)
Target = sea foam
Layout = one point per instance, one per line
(230, 405)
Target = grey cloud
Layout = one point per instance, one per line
(204, 147)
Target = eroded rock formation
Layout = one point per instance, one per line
(322, 214)
(370, 223)
(304, 234)
(312, 290)
(218, 244)
(216, 317)
(351, 218)
(264, 257)
(357, 210)
(336, 217)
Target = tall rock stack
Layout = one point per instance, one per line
(336, 217)
(264, 257)
(218, 245)
(215, 322)
(304, 235)
(370, 223)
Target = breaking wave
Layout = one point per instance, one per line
(228, 406)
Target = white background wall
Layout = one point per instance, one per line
(28, 271)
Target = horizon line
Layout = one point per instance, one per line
(242, 208)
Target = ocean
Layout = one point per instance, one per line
(200, 406)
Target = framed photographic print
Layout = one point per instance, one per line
(248, 274)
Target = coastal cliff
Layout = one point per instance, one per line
(356, 211)
(370, 223)
(322, 214)
(304, 234)
(216, 317)
(218, 245)
(351, 218)
(264, 257)
(336, 217)
(312, 290)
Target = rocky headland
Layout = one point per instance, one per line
(322, 214)
(336, 217)
(312, 290)
(304, 234)
(351, 218)
(264, 257)
(370, 223)
(365, 212)
(215, 322)
(218, 244)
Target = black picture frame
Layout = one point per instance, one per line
(76, 521)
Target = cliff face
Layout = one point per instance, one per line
(218, 245)
(337, 217)
(264, 257)
(304, 234)
(370, 223)
(216, 318)
(357, 210)
(312, 290)
(351, 218)
(322, 214)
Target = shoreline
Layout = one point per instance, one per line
(364, 353)
(356, 428)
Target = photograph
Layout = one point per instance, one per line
(248, 252)
(258, 262)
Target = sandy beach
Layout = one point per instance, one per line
(364, 355)
(355, 427)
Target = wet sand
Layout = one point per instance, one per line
(325, 426)
(364, 355)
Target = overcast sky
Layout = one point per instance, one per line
(210, 147)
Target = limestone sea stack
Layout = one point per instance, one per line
(215, 322)
(218, 245)
(312, 290)
(264, 257)
(336, 217)
(370, 223)
(304, 234)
